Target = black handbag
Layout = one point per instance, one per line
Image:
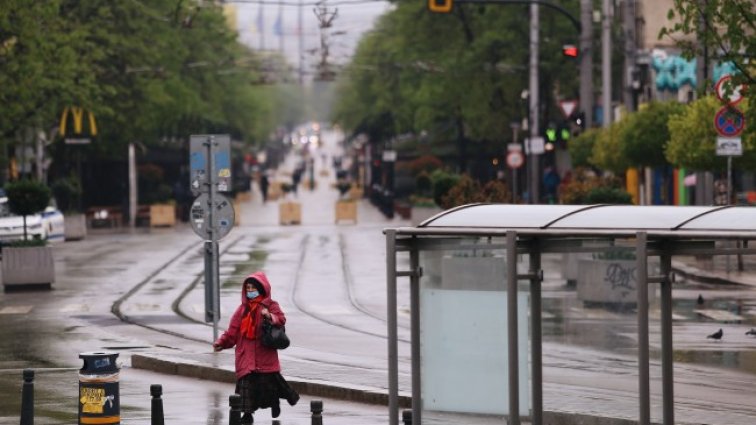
(274, 336)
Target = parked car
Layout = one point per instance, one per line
(47, 225)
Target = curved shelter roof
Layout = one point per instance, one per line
(684, 221)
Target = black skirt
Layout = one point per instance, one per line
(263, 390)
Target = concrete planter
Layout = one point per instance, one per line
(28, 268)
(290, 213)
(162, 215)
(75, 227)
(570, 266)
(609, 282)
(346, 210)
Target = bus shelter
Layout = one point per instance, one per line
(481, 258)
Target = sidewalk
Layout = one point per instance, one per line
(311, 265)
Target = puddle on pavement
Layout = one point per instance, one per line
(255, 261)
(568, 321)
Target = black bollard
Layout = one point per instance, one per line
(156, 390)
(234, 416)
(407, 417)
(27, 398)
(316, 407)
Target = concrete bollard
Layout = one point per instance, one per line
(234, 416)
(316, 407)
(407, 417)
(158, 418)
(27, 398)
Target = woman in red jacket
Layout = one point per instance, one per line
(259, 381)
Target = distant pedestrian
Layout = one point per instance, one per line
(258, 372)
(264, 183)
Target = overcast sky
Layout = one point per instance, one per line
(258, 27)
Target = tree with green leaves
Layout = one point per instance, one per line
(693, 139)
(645, 135)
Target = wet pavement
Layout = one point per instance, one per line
(140, 293)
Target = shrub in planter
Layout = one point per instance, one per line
(67, 194)
(442, 182)
(588, 188)
(26, 197)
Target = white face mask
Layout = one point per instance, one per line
(252, 294)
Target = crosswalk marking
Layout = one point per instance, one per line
(17, 309)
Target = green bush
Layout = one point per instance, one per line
(442, 184)
(608, 195)
(423, 185)
(67, 193)
(26, 197)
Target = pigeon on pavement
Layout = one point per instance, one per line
(751, 332)
(716, 335)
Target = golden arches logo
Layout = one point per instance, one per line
(78, 116)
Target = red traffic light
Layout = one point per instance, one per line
(570, 50)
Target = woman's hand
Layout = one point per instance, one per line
(216, 347)
(266, 313)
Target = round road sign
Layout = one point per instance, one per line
(729, 121)
(736, 94)
(223, 215)
(515, 159)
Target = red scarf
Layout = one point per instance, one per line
(248, 321)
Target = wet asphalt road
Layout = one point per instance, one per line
(149, 277)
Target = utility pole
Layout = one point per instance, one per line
(325, 19)
(301, 42)
(586, 61)
(628, 23)
(606, 62)
(533, 160)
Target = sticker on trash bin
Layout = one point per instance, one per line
(102, 362)
(93, 400)
(223, 215)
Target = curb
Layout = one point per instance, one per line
(698, 275)
(316, 388)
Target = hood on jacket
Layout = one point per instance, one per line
(259, 277)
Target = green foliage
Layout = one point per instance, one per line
(425, 164)
(455, 78)
(607, 151)
(581, 147)
(469, 191)
(67, 193)
(645, 134)
(693, 138)
(423, 184)
(27, 197)
(442, 183)
(608, 195)
(588, 188)
(26, 243)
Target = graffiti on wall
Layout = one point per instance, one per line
(674, 71)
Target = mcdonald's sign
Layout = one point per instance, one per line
(78, 135)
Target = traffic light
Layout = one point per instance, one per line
(570, 50)
(440, 6)
(557, 135)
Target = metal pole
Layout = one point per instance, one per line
(417, 400)
(393, 349)
(514, 377)
(606, 62)
(515, 130)
(641, 263)
(729, 201)
(536, 348)
(533, 170)
(628, 29)
(156, 413)
(132, 187)
(586, 61)
(211, 182)
(668, 398)
(301, 43)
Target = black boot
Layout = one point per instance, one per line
(292, 397)
(275, 410)
(247, 418)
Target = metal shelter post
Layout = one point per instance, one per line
(536, 352)
(668, 397)
(641, 261)
(417, 402)
(514, 377)
(393, 349)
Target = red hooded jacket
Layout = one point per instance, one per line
(251, 355)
